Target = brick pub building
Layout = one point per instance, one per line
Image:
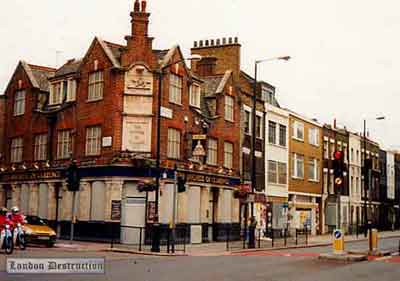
(101, 110)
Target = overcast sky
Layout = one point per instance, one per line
(345, 53)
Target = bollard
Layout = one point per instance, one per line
(373, 240)
(227, 240)
(338, 242)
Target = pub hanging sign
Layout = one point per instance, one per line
(28, 176)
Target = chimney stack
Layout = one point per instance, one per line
(334, 123)
(207, 66)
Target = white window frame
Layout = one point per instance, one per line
(326, 149)
(280, 174)
(272, 132)
(297, 125)
(195, 95)
(96, 86)
(280, 126)
(40, 147)
(272, 172)
(72, 87)
(247, 111)
(19, 102)
(175, 89)
(297, 160)
(313, 136)
(174, 143)
(64, 144)
(229, 108)
(17, 150)
(228, 155)
(93, 141)
(56, 93)
(315, 170)
(212, 151)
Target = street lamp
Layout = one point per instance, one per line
(156, 227)
(365, 174)
(253, 147)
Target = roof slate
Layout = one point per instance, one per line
(70, 67)
(39, 75)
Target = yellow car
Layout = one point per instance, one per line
(38, 232)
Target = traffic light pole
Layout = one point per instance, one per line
(173, 226)
(73, 216)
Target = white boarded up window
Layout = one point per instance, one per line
(43, 200)
(97, 201)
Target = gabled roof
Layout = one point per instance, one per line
(224, 81)
(166, 59)
(111, 50)
(215, 85)
(38, 75)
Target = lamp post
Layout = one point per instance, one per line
(155, 247)
(253, 146)
(366, 187)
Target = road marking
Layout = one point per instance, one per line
(275, 254)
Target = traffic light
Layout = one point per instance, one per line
(72, 177)
(181, 182)
(338, 170)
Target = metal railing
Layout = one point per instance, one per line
(273, 238)
(141, 239)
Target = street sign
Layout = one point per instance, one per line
(337, 233)
(338, 242)
(199, 137)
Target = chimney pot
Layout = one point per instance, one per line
(201, 43)
(136, 8)
(223, 41)
(144, 5)
(207, 42)
(236, 40)
(212, 42)
(218, 42)
(230, 40)
(195, 44)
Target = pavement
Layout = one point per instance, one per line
(212, 249)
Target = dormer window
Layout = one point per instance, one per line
(61, 91)
(267, 95)
(195, 95)
(55, 94)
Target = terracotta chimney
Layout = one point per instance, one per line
(136, 6)
(144, 4)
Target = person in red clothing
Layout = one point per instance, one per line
(17, 217)
(4, 218)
